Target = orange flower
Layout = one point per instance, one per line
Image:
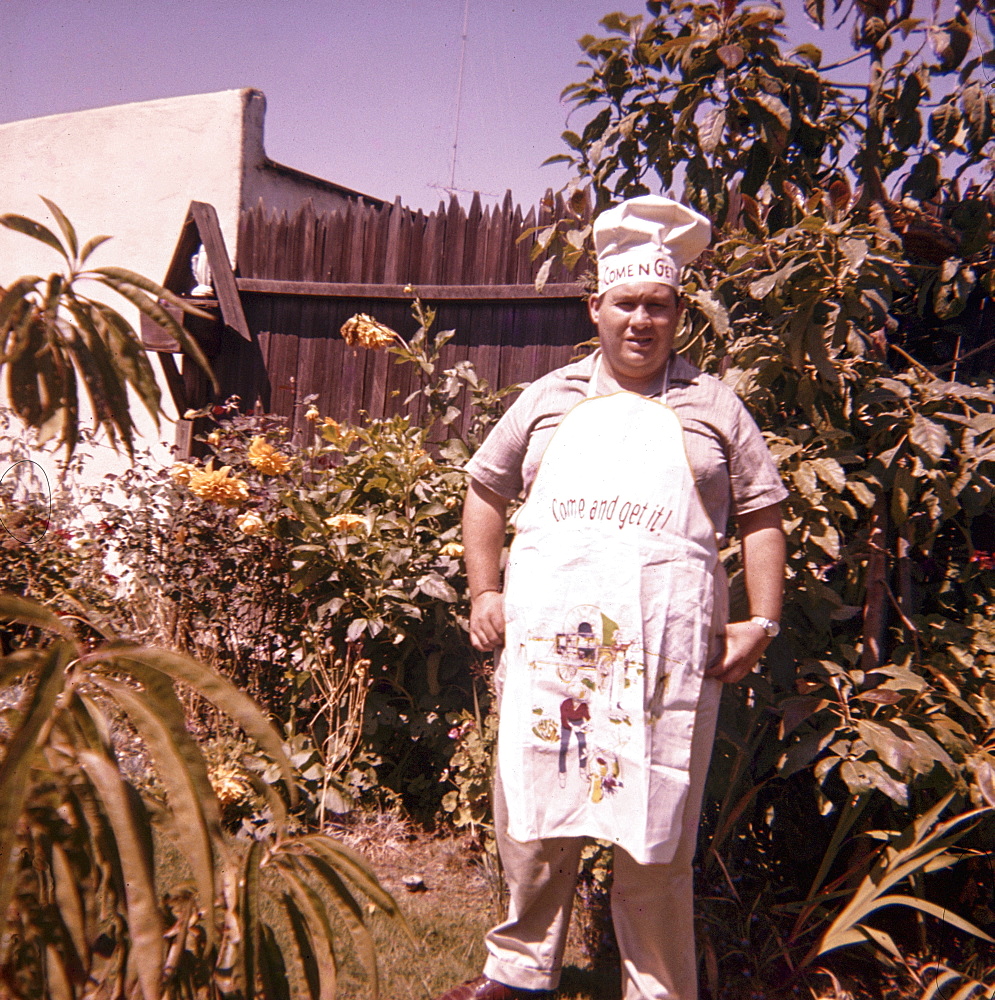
(216, 486)
(367, 332)
(451, 549)
(250, 523)
(264, 457)
(181, 472)
(345, 522)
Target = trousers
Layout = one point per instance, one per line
(652, 905)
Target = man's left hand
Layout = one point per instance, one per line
(745, 643)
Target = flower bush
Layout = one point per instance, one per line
(275, 560)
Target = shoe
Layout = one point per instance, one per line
(483, 988)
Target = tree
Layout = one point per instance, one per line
(849, 284)
(52, 336)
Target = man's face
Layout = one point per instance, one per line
(636, 326)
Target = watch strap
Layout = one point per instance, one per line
(772, 628)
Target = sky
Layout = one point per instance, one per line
(360, 92)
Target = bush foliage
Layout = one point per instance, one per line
(847, 298)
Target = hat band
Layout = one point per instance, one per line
(639, 264)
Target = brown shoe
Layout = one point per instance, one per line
(483, 988)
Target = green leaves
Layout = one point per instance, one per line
(51, 337)
(68, 808)
(922, 844)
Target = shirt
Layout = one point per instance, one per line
(732, 467)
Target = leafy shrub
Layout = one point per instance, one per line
(53, 338)
(323, 573)
(844, 298)
(81, 908)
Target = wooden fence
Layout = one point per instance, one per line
(297, 279)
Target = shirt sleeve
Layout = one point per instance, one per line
(498, 462)
(753, 477)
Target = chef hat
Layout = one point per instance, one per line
(649, 238)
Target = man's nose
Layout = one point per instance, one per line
(640, 316)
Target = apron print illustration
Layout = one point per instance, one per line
(608, 606)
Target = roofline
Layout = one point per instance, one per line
(321, 182)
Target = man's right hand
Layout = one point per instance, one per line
(487, 621)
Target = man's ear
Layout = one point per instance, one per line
(594, 307)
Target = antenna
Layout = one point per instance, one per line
(451, 188)
(459, 92)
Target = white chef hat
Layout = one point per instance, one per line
(649, 238)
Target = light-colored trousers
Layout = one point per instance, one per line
(652, 905)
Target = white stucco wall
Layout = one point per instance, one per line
(128, 171)
(131, 171)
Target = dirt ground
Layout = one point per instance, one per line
(451, 897)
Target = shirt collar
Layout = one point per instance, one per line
(681, 370)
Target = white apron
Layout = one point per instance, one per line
(608, 609)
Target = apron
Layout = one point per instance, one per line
(608, 612)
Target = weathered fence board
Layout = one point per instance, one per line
(299, 278)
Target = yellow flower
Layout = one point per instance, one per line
(250, 523)
(345, 522)
(214, 438)
(213, 484)
(312, 414)
(451, 549)
(264, 457)
(367, 332)
(229, 785)
(181, 472)
(329, 422)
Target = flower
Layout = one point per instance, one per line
(312, 414)
(264, 457)
(451, 549)
(329, 422)
(228, 784)
(345, 522)
(367, 332)
(250, 523)
(214, 438)
(213, 484)
(180, 472)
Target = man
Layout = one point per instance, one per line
(631, 462)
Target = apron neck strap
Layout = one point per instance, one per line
(592, 386)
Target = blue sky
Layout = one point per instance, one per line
(360, 92)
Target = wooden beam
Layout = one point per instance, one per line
(433, 293)
(209, 230)
(174, 380)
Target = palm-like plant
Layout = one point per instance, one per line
(81, 910)
(52, 336)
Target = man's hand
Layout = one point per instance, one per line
(763, 566)
(487, 621)
(484, 520)
(745, 643)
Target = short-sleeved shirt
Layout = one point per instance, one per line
(732, 466)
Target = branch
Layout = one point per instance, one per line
(843, 62)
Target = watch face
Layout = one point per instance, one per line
(771, 628)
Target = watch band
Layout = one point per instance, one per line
(772, 628)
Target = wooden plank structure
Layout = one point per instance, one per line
(297, 279)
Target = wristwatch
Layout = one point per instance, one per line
(771, 628)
